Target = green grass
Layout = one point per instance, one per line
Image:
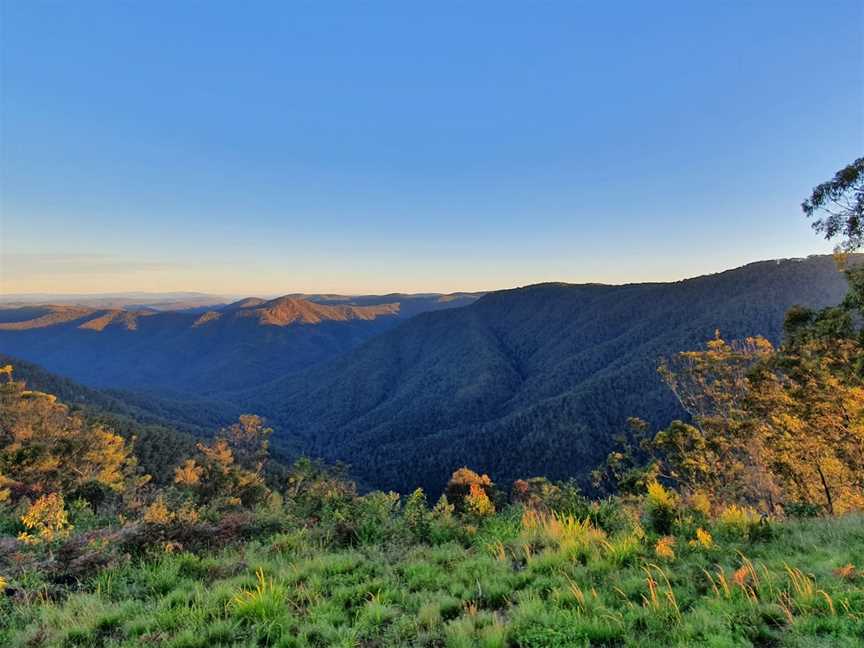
(533, 583)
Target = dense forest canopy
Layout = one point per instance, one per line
(536, 380)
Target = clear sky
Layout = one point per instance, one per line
(256, 147)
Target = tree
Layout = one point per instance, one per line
(778, 425)
(625, 469)
(840, 201)
(45, 448)
(769, 426)
(46, 520)
(808, 404)
(470, 492)
(229, 471)
(716, 452)
(417, 516)
(249, 440)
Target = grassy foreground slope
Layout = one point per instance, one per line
(518, 578)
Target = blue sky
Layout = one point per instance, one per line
(375, 147)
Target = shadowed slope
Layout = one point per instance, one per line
(528, 381)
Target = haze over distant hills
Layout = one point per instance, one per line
(405, 388)
(130, 300)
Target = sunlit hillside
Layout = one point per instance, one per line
(431, 325)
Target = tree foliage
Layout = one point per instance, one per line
(229, 471)
(45, 448)
(808, 407)
(769, 427)
(838, 206)
(470, 492)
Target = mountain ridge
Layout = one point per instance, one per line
(547, 374)
(282, 311)
(195, 351)
(529, 380)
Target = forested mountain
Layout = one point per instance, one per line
(202, 352)
(535, 380)
(194, 415)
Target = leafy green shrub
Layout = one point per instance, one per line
(417, 517)
(660, 508)
(374, 517)
(317, 492)
(742, 522)
(803, 509)
(443, 525)
(611, 515)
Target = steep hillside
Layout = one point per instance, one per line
(528, 381)
(197, 416)
(162, 430)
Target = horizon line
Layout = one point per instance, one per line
(336, 293)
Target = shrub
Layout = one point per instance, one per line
(83, 518)
(803, 509)
(478, 503)
(536, 492)
(158, 512)
(703, 540)
(416, 516)
(700, 502)
(443, 526)
(469, 492)
(189, 474)
(611, 515)
(46, 520)
(315, 492)
(374, 514)
(665, 548)
(739, 522)
(660, 507)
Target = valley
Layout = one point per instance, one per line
(533, 380)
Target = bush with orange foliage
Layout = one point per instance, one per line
(470, 492)
(45, 448)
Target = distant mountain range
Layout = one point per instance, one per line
(202, 351)
(194, 301)
(535, 380)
